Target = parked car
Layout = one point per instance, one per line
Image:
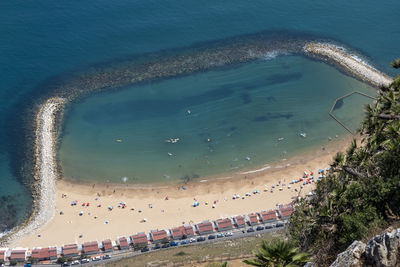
(76, 262)
(183, 242)
(228, 234)
(279, 224)
(64, 264)
(144, 249)
(85, 261)
(250, 230)
(192, 240)
(174, 244)
(106, 257)
(98, 258)
(211, 237)
(260, 228)
(166, 245)
(200, 239)
(220, 235)
(157, 247)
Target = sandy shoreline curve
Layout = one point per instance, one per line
(46, 165)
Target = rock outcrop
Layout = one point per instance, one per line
(351, 257)
(382, 251)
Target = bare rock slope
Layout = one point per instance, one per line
(382, 251)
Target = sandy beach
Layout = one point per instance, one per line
(55, 221)
(99, 223)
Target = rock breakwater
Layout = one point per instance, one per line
(351, 63)
(46, 172)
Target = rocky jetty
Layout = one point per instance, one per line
(382, 251)
(46, 172)
(351, 63)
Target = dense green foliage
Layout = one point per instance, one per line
(362, 189)
(278, 253)
(61, 260)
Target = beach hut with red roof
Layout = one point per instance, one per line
(122, 243)
(90, 248)
(239, 221)
(107, 245)
(52, 253)
(3, 254)
(70, 250)
(42, 254)
(158, 236)
(177, 232)
(204, 228)
(252, 219)
(189, 232)
(285, 211)
(268, 216)
(19, 254)
(139, 240)
(182, 232)
(224, 224)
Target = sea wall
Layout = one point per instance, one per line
(140, 70)
(46, 172)
(350, 62)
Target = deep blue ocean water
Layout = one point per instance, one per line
(44, 39)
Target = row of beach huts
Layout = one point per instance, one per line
(141, 240)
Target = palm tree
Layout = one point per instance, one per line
(278, 253)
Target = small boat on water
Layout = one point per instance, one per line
(247, 158)
(280, 139)
(170, 154)
(118, 140)
(172, 140)
(303, 135)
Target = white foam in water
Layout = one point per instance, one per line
(258, 170)
(4, 233)
(269, 55)
(124, 179)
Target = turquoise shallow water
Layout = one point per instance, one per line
(45, 40)
(236, 112)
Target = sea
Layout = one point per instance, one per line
(223, 120)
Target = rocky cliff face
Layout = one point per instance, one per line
(382, 251)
